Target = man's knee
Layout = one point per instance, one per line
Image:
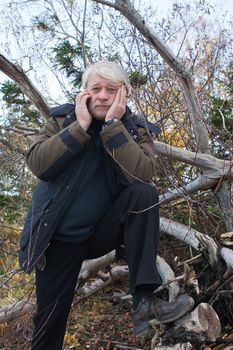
(146, 191)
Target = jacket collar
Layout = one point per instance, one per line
(71, 116)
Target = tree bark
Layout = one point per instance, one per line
(201, 183)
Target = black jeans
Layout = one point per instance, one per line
(55, 285)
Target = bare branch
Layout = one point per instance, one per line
(213, 167)
(192, 237)
(109, 3)
(200, 183)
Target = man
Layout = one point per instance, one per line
(96, 164)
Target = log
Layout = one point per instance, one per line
(198, 241)
(91, 267)
(117, 273)
(196, 328)
(202, 321)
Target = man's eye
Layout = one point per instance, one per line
(112, 90)
(95, 90)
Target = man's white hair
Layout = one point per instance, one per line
(107, 70)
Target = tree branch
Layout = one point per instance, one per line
(17, 74)
(192, 237)
(200, 183)
(213, 167)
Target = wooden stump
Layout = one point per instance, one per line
(203, 320)
(197, 328)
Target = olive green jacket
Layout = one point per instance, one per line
(55, 148)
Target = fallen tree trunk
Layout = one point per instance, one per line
(117, 273)
(91, 267)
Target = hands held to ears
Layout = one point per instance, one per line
(86, 98)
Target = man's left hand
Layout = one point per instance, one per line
(117, 109)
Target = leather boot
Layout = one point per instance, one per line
(152, 310)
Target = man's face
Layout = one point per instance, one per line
(103, 93)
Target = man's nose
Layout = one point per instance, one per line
(103, 94)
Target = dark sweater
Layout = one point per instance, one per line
(93, 197)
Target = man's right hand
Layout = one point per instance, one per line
(82, 114)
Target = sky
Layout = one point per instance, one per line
(164, 5)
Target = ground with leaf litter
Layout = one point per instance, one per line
(102, 322)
